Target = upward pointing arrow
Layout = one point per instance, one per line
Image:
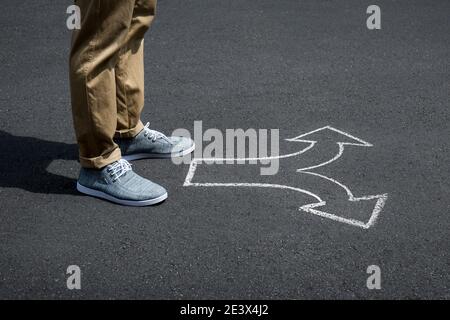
(327, 131)
(327, 134)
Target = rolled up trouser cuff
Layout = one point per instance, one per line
(130, 133)
(101, 161)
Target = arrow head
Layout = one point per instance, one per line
(317, 208)
(329, 133)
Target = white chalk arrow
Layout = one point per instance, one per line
(312, 138)
(317, 207)
(343, 139)
(339, 137)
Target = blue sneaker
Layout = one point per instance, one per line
(153, 144)
(119, 184)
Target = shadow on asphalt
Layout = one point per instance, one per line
(24, 162)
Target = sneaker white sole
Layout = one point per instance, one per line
(130, 203)
(139, 156)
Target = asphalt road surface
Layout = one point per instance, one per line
(290, 65)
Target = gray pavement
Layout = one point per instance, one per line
(289, 65)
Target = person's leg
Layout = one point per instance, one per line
(135, 140)
(95, 51)
(129, 72)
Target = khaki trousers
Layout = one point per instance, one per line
(107, 75)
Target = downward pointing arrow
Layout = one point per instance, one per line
(380, 201)
(379, 204)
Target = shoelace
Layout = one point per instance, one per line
(154, 135)
(118, 169)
